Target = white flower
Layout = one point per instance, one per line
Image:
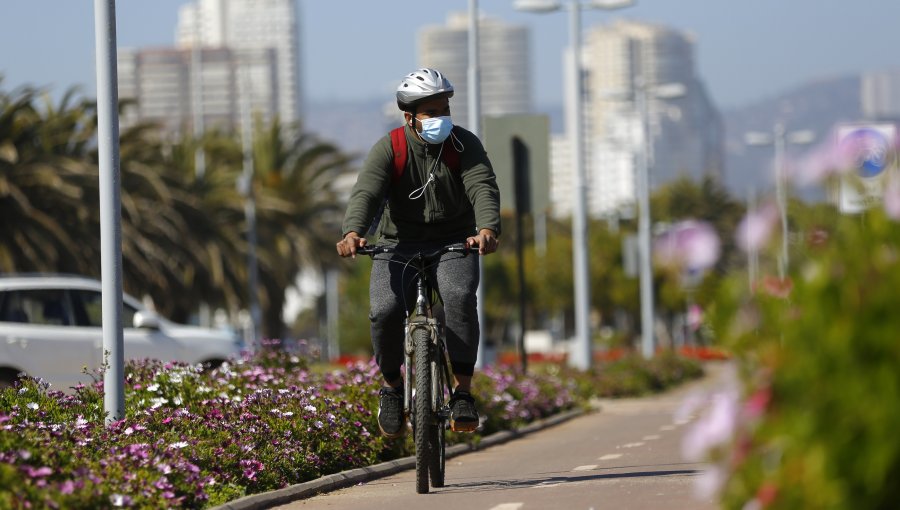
(129, 431)
(179, 445)
(32, 406)
(157, 402)
(177, 400)
(310, 408)
(117, 499)
(289, 413)
(153, 387)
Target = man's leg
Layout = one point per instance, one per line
(457, 282)
(386, 321)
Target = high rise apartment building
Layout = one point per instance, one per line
(250, 25)
(504, 55)
(246, 56)
(880, 95)
(686, 131)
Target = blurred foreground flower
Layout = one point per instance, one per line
(777, 287)
(755, 230)
(689, 245)
(892, 199)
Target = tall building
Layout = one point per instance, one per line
(880, 95)
(250, 25)
(160, 80)
(686, 131)
(228, 54)
(504, 54)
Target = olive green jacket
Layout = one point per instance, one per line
(455, 205)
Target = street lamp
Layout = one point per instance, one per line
(581, 352)
(779, 137)
(642, 94)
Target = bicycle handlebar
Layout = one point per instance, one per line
(453, 248)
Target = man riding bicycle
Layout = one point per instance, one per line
(434, 199)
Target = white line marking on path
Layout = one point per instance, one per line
(667, 427)
(610, 456)
(632, 445)
(652, 437)
(589, 467)
(508, 506)
(544, 485)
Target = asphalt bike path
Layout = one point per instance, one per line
(625, 455)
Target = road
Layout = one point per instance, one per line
(624, 456)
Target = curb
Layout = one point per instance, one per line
(344, 479)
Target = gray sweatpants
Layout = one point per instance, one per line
(392, 291)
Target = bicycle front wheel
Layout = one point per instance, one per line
(424, 419)
(441, 395)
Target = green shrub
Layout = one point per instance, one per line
(820, 360)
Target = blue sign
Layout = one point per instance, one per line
(872, 150)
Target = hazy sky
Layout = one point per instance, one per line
(359, 49)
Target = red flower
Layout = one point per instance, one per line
(766, 494)
(777, 287)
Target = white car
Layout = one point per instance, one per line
(50, 327)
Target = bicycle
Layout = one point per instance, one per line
(426, 358)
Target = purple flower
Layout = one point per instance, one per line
(67, 487)
(39, 472)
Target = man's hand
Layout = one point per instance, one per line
(347, 246)
(486, 240)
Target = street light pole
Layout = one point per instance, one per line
(581, 352)
(474, 85)
(779, 139)
(110, 210)
(250, 207)
(643, 178)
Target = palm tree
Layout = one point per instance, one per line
(44, 178)
(297, 210)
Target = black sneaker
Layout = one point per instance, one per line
(463, 416)
(390, 412)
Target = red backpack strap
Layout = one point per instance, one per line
(398, 144)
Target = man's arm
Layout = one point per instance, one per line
(370, 189)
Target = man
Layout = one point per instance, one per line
(445, 192)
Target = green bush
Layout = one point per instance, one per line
(819, 417)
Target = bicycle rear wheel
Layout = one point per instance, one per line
(424, 420)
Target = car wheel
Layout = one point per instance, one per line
(8, 377)
(212, 364)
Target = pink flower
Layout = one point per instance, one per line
(756, 228)
(892, 199)
(691, 245)
(717, 425)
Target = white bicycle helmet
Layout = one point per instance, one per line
(422, 85)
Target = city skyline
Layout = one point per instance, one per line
(355, 50)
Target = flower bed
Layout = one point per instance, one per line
(194, 439)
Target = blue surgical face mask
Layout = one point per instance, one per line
(436, 129)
